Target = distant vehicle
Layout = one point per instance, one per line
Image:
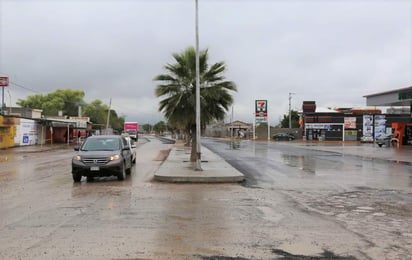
(132, 128)
(103, 155)
(283, 136)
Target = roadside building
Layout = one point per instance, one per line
(358, 123)
(33, 129)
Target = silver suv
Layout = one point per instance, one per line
(104, 155)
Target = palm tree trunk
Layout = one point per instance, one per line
(188, 136)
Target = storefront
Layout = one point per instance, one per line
(326, 131)
(348, 126)
(400, 126)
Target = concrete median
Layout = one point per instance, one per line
(178, 168)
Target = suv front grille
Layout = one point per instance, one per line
(95, 161)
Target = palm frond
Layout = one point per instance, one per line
(177, 88)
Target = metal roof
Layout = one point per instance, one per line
(397, 97)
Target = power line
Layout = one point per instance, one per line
(23, 87)
(121, 108)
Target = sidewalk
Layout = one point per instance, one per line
(40, 148)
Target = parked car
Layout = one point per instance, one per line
(104, 155)
(283, 136)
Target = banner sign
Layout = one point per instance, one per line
(261, 113)
(367, 125)
(380, 128)
(27, 132)
(318, 126)
(350, 122)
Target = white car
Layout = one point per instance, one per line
(132, 145)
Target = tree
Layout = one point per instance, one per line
(160, 127)
(178, 89)
(115, 121)
(68, 101)
(147, 128)
(65, 100)
(294, 120)
(97, 112)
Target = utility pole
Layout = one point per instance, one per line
(198, 145)
(10, 102)
(108, 114)
(290, 115)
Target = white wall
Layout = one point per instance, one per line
(27, 133)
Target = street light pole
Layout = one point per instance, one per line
(108, 116)
(290, 115)
(10, 102)
(198, 152)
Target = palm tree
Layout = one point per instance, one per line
(178, 88)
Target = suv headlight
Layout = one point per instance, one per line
(77, 158)
(114, 157)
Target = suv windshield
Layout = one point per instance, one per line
(101, 144)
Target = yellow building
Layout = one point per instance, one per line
(7, 131)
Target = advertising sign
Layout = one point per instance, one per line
(350, 122)
(261, 113)
(27, 132)
(4, 81)
(367, 125)
(380, 128)
(318, 126)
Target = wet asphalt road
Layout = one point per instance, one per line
(295, 204)
(371, 199)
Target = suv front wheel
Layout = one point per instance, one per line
(122, 174)
(77, 177)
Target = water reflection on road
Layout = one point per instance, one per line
(370, 196)
(273, 161)
(307, 165)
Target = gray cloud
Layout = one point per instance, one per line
(333, 52)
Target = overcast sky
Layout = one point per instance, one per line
(332, 51)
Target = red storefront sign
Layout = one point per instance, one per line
(4, 81)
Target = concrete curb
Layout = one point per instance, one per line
(178, 169)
